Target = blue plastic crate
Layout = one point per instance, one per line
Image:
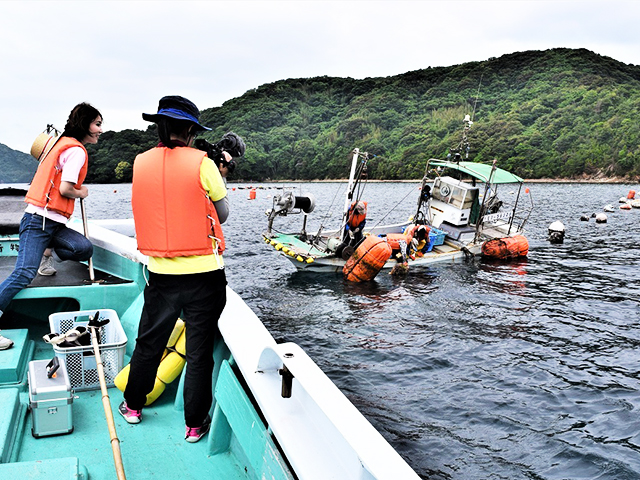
(430, 245)
(436, 237)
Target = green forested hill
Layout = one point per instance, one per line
(556, 113)
(560, 113)
(16, 167)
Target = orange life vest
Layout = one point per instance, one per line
(413, 229)
(44, 190)
(173, 215)
(355, 219)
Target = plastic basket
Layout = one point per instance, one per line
(437, 236)
(429, 245)
(80, 361)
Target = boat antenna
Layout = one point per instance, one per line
(468, 121)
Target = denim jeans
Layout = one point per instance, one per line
(34, 239)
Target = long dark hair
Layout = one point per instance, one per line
(168, 126)
(80, 120)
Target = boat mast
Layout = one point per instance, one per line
(350, 190)
(487, 187)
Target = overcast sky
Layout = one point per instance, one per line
(122, 56)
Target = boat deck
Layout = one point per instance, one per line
(155, 448)
(69, 274)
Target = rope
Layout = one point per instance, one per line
(396, 205)
(329, 212)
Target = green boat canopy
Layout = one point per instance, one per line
(480, 171)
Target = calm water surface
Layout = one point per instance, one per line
(474, 370)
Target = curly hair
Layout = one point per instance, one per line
(80, 120)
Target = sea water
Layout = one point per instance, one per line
(475, 370)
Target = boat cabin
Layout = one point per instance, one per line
(453, 201)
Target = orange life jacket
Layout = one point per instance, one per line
(44, 190)
(173, 215)
(412, 230)
(355, 219)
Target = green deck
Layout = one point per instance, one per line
(153, 449)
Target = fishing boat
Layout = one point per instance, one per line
(458, 205)
(276, 415)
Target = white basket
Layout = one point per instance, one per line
(80, 361)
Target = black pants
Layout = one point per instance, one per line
(200, 297)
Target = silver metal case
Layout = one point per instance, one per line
(50, 399)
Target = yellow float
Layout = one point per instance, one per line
(171, 365)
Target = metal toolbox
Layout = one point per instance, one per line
(50, 398)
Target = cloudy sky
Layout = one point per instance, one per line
(122, 56)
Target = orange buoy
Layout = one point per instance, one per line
(367, 260)
(252, 194)
(631, 195)
(505, 248)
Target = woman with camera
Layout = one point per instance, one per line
(179, 202)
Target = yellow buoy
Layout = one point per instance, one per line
(181, 344)
(175, 334)
(170, 367)
(123, 377)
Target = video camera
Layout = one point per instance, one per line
(230, 143)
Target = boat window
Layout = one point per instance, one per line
(470, 198)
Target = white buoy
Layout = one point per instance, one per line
(601, 218)
(608, 208)
(556, 232)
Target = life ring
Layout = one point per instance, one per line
(171, 365)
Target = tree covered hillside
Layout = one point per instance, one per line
(16, 167)
(559, 113)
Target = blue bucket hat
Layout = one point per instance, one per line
(176, 107)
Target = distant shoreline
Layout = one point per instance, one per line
(612, 181)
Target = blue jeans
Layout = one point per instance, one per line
(34, 239)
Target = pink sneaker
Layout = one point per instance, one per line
(131, 416)
(193, 435)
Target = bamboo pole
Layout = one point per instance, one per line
(92, 275)
(115, 442)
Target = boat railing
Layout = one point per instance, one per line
(320, 431)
